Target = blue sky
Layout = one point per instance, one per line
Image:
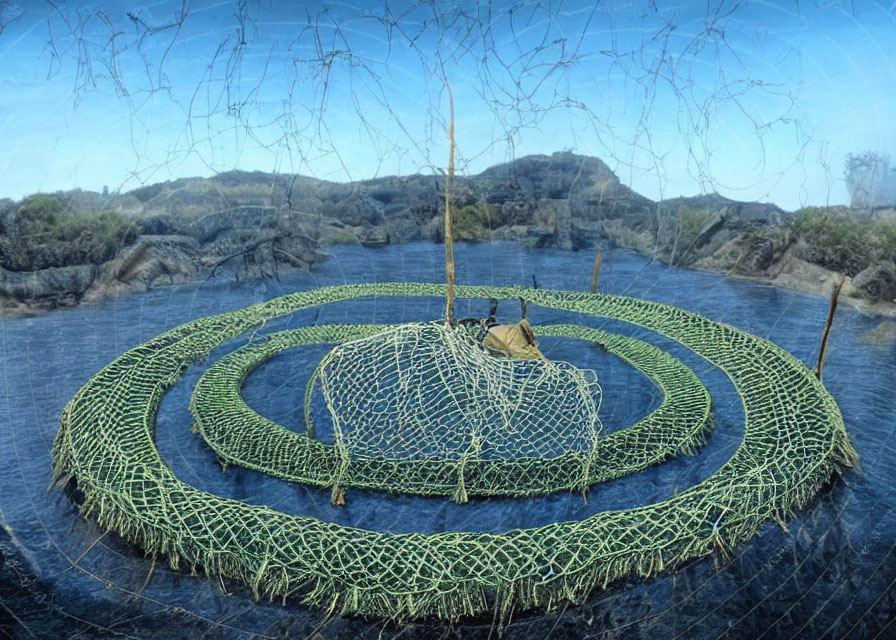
(756, 100)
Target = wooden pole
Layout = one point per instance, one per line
(597, 260)
(822, 352)
(449, 230)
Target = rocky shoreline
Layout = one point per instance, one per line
(256, 224)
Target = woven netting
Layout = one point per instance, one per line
(429, 390)
(241, 436)
(794, 439)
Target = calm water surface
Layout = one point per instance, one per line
(832, 575)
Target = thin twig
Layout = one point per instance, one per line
(152, 568)
(85, 552)
(560, 615)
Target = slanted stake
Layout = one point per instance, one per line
(823, 351)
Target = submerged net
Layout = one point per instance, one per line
(794, 440)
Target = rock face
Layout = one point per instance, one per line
(153, 261)
(44, 289)
(253, 241)
(252, 224)
(249, 242)
(713, 232)
(563, 200)
(878, 282)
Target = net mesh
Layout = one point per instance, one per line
(794, 440)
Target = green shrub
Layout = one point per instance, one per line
(883, 240)
(37, 217)
(476, 221)
(691, 222)
(840, 242)
(106, 232)
(42, 233)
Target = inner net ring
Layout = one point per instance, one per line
(232, 429)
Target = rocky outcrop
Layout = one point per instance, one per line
(249, 243)
(256, 223)
(568, 201)
(253, 242)
(757, 254)
(878, 282)
(562, 201)
(883, 334)
(211, 226)
(21, 291)
(153, 261)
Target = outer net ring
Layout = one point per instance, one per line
(794, 441)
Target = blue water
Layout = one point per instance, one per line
(832, 575)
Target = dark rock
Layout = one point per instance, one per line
(738, 214)
(47, 288)
(878, 281)
(208, 227)
(158, 225)
(761, 256)
(835, 258)
(374, 237)
(153, 261)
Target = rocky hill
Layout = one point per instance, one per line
(253, 224)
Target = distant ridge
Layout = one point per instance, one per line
(258, 222)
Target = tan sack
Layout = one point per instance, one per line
(514, 340)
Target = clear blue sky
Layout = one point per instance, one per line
(756, 100)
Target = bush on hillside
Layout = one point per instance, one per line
(42, 233)
(476, 221)
(843, 242)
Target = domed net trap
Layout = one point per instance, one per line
(432, 391)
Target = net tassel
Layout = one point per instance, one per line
(460, 491)
(337, 497)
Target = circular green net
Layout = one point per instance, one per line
(794, 440)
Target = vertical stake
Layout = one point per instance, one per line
(822, 352)
(597, 260)
(449, 231)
